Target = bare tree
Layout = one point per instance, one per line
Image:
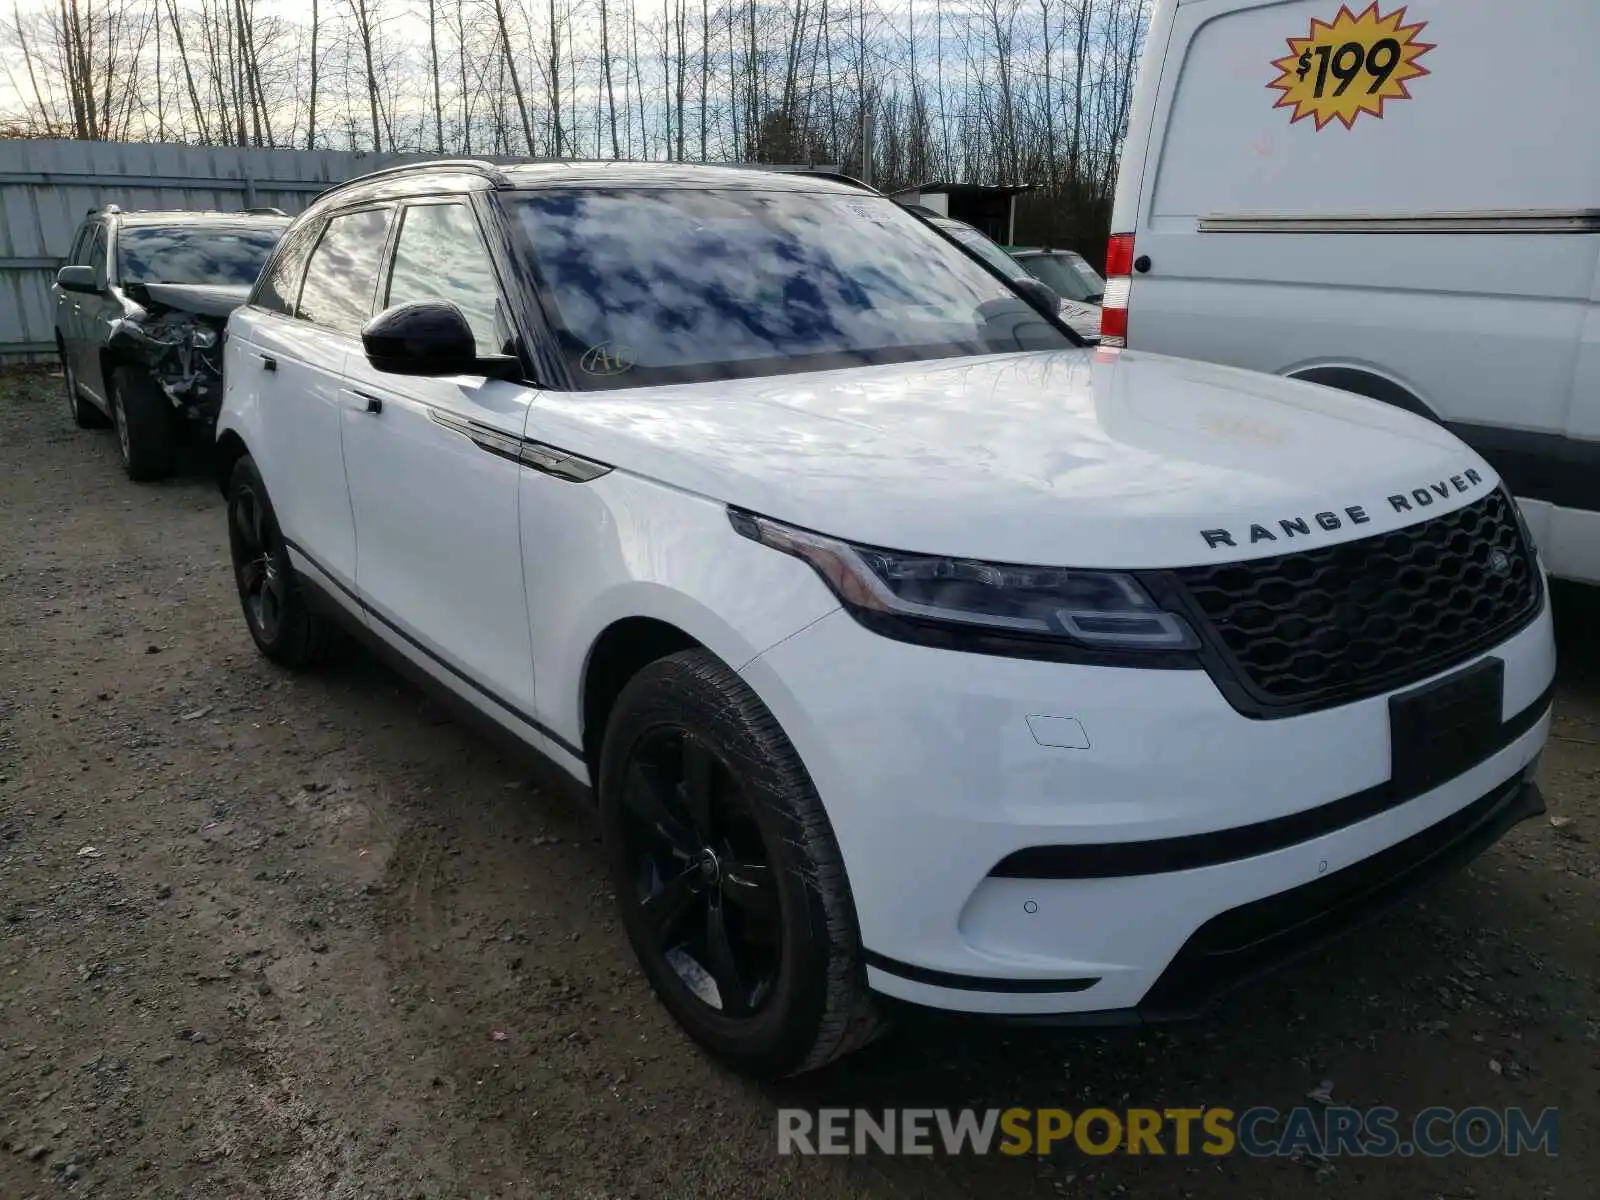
(1032, 91)
(364, 16)
(83, 61)
(511, 66)
(610, 88)
(433, 62)
(316, 71)
(555, 79)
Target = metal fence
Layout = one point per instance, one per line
(46, 187)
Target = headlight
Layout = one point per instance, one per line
(894, 592)
(203, 338)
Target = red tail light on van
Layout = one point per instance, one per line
(1119, 282)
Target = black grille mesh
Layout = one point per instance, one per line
(1329, 625)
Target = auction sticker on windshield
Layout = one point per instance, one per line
(607, 358)
(1349, 66)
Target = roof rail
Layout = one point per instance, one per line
(836, 177)
(96, 209)
(473, 166)
(264, 211)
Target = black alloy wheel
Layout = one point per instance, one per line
(729, 879)
(702, 880)
(284, 627)
(262, 585)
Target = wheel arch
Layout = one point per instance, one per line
(1364, 381)
(230, 449)
(622, 649)
(112, 357)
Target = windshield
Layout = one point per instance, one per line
(676, 285)
(1068, 273)
(186, 254)
(984, 249)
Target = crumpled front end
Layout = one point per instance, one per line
(183, 352)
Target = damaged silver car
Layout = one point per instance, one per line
(142, 310)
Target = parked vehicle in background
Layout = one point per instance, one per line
(1071, 277)
(1083, 320)
(1342, 195)
(915, 653)
(1067, 271)
(141, 313)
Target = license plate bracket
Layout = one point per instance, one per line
(1440, 730)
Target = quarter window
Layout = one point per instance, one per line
(343, 272)
(440, 256)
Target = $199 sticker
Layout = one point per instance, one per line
(1349, 66)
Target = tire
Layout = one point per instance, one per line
(144, 424)
(83, 412)
(275, 610)
(763, 868)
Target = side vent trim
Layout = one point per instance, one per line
(537, 456)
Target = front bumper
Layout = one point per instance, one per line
(1268, 834)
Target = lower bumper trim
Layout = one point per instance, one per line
(1244, 943)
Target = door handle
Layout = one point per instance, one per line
(268, 363)
(374, 405)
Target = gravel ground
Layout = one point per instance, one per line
(260, 936)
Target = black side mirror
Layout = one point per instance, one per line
(1040, 292)
(78, 279)
(430, 337)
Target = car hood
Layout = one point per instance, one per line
(203, 299)
(1090, 458)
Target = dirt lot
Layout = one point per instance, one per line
(258, 934)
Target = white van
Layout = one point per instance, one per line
(1401, 201)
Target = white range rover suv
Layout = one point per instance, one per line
(915, 654)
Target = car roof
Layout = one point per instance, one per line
(687, 175)
(468, 175)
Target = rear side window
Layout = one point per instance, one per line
(97, 252)
(279, 285)
(79, 254)
(343, 272)
(440, 256)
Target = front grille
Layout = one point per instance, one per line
(1330, 625)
